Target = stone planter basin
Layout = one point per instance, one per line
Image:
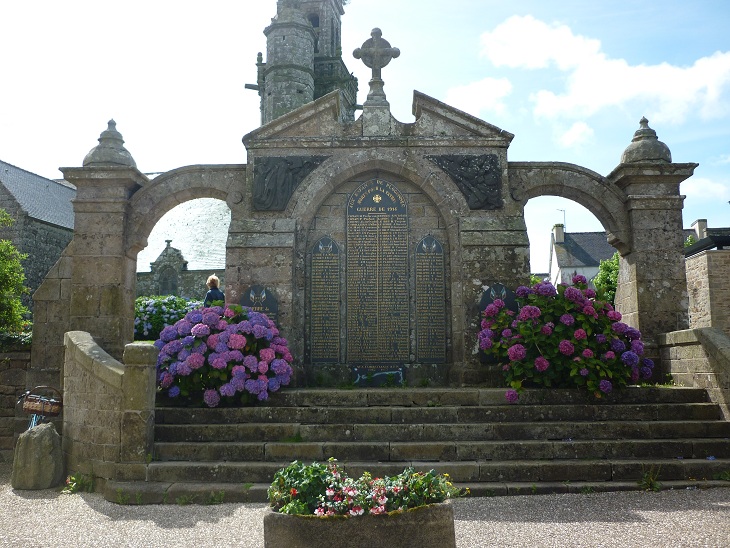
(425, 527)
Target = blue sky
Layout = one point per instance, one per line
(570, 79)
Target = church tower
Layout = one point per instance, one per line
(304, 59)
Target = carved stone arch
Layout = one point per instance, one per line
(583, 186)
(170, 189)
(340, 169)
(420, 174)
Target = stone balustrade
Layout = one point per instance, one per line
(109, 409)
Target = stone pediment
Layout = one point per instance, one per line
(320, 118)
(437, 119)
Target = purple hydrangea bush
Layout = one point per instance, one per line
(216, 355)
(564, 338)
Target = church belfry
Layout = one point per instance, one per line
(304, 59)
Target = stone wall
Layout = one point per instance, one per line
(13, 368)
(708, 285)
(190, 283)
(108, 418)
(699, 358)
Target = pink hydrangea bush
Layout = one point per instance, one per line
(563, 337)
(216, 355)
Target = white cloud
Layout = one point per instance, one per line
(706, 190)
(482, 96)
(578, 134)
(722, 159)
(526, 42)
(594, 81)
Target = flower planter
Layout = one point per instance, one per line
(426, 527)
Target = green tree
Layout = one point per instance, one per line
(607, 278)
(690, 240)
(12, 276)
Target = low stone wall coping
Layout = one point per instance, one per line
(94, 359)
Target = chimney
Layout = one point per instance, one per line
(558, 234)
(700, 228)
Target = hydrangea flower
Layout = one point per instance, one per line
(511, 396)
(211, 398)
(541, 364)
(567, 319)
(566, 347)
(517, 352)
(528, 312)
(630, 358)
(574, 294)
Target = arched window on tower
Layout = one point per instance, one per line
(168, 281)
(314, 20)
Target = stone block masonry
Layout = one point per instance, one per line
(108, 418)
(699, 358)
(708, 285)
(13, 369)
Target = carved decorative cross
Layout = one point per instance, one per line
(376, 53)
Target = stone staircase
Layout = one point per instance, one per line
(551, 441)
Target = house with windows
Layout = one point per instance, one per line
(574, 253)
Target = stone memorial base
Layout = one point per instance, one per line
(38, 459)
(426, 527)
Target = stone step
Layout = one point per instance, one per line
(467, 472)
(697, 448)
(181, 493)
(354, 432)
(433, 397)
(441, 414)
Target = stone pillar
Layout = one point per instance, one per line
(138, 415)
(103, 276)
(261, 252)
(652, 287)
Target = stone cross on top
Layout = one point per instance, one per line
(376, 53)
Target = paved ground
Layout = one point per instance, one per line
(684, 518)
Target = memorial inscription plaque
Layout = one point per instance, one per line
(261, 299)
(430, 301)
(378, 319)
(324, 304)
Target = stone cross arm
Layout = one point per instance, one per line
(376, 52)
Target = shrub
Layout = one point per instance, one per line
(153, 314)
(216, 355)
(12, 277)
(607, 278)
(19, 341)
(325, 490)
(563, 337)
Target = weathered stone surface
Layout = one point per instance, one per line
(427, 527)
(38, 461)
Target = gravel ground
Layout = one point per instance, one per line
(667, 519)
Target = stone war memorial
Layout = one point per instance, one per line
(370, 240)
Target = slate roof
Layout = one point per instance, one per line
(588, 249)
(583, 249)
(43, 199)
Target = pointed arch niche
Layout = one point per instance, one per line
(376, 276)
